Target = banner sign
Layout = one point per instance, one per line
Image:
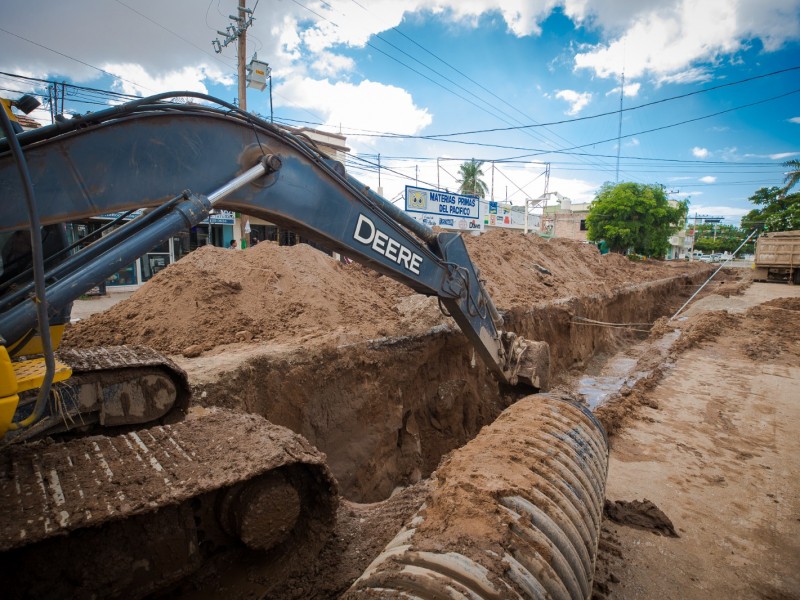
(504, 215)
(221, 217)
(444, 209)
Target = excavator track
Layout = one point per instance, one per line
(126, 515)
(110, 386)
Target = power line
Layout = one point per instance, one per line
(541, 152)
(543, 137)
(409, 67)
(77, 60)
(72, 85)
(716, 114)
(170, 31)
(614, 112)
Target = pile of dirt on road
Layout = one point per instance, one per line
(297, 294)
(705, 327)
(521, 270)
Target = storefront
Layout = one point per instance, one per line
(217, 230)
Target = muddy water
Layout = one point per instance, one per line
(386, 411)
(621, 371)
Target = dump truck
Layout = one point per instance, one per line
(778, 257)
(109, 485)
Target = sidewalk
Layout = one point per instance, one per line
(83, 309)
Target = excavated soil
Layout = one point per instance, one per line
(371, 373)
(295, 294)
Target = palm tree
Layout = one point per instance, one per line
(470, 182)
(793, 176)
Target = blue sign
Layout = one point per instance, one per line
(442, 204)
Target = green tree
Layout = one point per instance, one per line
(713, 238)
(471, 182)
(634, 216)
(792, 176)
(780, 212)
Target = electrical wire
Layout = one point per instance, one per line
(171, 32)
(77, 60)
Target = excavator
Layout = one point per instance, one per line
(100, 456)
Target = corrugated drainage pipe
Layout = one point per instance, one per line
(515, 513)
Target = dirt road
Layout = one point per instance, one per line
(715, 446)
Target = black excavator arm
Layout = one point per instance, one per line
(140, 154)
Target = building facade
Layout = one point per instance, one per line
(565, 219)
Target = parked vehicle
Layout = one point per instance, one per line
(778, 257)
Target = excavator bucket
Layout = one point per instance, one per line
(534, 365)
(527, 361)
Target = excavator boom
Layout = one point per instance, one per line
(138, 155)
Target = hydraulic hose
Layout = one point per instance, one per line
(38, 274)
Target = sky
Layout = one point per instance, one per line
(709, 89)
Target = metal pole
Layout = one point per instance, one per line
(619, 130)
(438, 187)
(694, 237)
(242, 76)
(271, 120)
(234, 184)
(492, 181)
(526, 214)
(242, 52)
(379, 170)
(747, 239)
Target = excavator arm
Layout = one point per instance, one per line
(140, 154)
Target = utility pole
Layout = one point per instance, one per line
(492, 181)
(241, 52)
(237, 31)
(619, 130)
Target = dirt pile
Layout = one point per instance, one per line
(215, 296)
(521, 270)
(705, 328)
(297, 294)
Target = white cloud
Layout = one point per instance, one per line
(328, 64)
(577, 190)
(667, 39)
(693, 75)
(631, 89)
(371, 105)
(708, 179)
(576, 100)
(699, 152)
(134, 79)
(794, 120)
(783, 155)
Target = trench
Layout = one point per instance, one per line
(387, 410)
